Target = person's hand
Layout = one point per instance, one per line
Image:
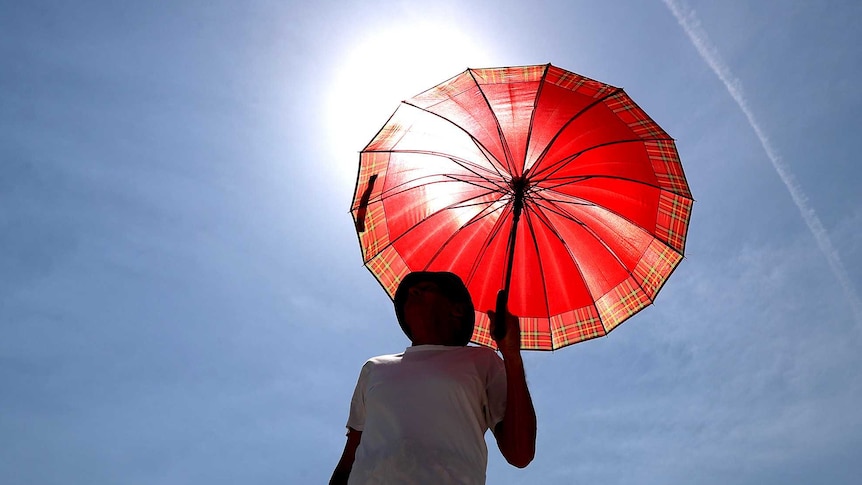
(511, 342)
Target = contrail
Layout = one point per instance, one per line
(691, 25)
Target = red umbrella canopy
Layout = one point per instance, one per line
(605, 201)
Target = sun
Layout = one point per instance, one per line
(383, 69)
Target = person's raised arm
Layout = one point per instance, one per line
(345, 464)
(516, 433)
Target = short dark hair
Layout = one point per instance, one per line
(451, 286)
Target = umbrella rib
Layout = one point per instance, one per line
(471, 167)
(478, 143)
(562, 213)
(492, 234)
(551, 227)
(539, 196)
(564, 181)
(481, 215)
(527, 210)
(403, 188)
(562, 201)
(566, 215)
(506, 152)
(419, 223)
(559, 164)
(533, 112)
(598, 101)
(618, 259)
(621, 216)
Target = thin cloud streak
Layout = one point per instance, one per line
(691, 25)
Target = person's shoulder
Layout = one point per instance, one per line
(481, 352)
(384, 359)
(378, 361)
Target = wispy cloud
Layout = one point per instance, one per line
(691, 24)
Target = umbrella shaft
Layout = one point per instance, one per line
(519, 186)
(510, 253)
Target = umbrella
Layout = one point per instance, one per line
(550, 185)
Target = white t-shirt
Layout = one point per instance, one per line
(423, 415)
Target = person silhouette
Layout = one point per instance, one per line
(420, 416)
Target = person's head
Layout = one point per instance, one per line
(435, 307)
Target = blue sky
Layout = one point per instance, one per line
(182, 298)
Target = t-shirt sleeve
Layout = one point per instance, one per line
(356, 419)
(496, 391)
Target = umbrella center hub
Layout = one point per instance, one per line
(518, 185)
(519, 188)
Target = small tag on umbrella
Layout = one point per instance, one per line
(362, 210)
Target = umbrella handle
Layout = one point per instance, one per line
(500, 315)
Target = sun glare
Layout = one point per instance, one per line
(379, 72)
